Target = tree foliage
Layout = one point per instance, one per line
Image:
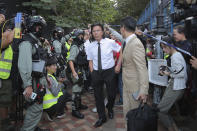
(75, 13)
(130, 8)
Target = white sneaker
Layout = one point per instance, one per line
(105, 101)
(61, 116)
(94, 110)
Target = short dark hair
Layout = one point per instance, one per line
(169, 40)
(51, 60)
(129, 23)
(180, 29)
(8, 24)
(102, 28)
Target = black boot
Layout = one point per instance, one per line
(75, 106)
(81, 106)
(77, 114)
(6, 125)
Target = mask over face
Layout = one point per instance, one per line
(38, 31)
(79, 41)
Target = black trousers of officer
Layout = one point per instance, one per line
(98, 80)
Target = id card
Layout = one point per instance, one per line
(33, 96)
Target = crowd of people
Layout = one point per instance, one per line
(98, 59)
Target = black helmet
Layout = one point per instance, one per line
(78, 32)
(59, 31)
(36, 20)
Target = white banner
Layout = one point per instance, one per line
(153, 72)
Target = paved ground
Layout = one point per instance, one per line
(70, 123)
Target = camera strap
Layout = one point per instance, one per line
(178, 71)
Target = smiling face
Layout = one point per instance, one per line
(97, 33)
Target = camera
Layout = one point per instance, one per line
(163, 68)
(186, 10)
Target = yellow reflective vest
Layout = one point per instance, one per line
(68, 48)
(6, 63)
(49, 99)
(166, 56)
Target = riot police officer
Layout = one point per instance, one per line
(58, 34)
(30, 54)
(76, 62)
(59, 50)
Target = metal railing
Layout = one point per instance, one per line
(155, 7)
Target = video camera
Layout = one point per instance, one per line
(186, 10)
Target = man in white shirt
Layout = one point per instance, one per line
(101, 63)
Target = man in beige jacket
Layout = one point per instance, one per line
(135, 74)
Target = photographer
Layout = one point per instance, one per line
(54, 99)
(177, 84)
(6, 57)
(179, 35)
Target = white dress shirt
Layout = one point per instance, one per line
(86, 45)
(129, 37)
(107, 47)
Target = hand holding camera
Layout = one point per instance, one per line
(163, 70)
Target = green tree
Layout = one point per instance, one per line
(129, 8)
(75, 13)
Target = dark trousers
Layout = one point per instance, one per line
(58, 109)
(98, 80)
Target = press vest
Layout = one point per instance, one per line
(68, 48)
(166, 56)
(6, 63)
(49, 99)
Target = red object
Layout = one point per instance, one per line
(117, 54)
(149, 54)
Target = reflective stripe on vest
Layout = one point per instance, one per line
(68, 48)
(6, 63)
(49, 100)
